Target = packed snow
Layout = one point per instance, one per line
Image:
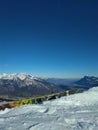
(74, 112)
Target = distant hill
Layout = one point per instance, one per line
(24, 85)
(87, 82)
(61, 81)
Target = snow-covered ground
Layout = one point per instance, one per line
(75, 112)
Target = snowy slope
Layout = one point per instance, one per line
(21, 76)
(24, 85)
(75, 112)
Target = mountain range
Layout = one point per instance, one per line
(24, 85)
(20, 85)
(87, 82)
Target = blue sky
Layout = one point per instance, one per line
(54, 38)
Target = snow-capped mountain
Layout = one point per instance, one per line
(24, 85)
(15, 76)
(75, 112)
(88, 81)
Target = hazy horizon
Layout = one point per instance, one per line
(47, 76)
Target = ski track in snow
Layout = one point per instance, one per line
(75, 112)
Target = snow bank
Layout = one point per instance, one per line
(75, 112)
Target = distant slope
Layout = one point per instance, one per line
(61, 81)
(23, 85)
(87, 82)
